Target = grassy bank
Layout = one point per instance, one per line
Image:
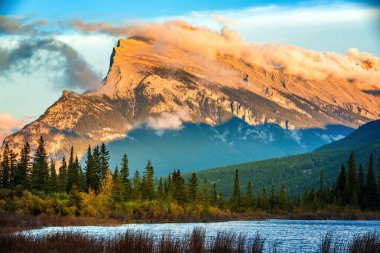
(196, 241)
(18, 222)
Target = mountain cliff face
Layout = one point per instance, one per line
(164, 88)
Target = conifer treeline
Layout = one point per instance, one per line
(352, 188)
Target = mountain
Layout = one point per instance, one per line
(300, 171)
(155, 92)
(201, 146)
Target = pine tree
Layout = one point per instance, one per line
(177, 187)
(273, 199)
(53, 180)
(104, 159)
(62, 176)
(282, 198)
(205, 192)
(214, 195)
(342, 187)
(160, 190)
(352, 178)
(23, 171)
(97, 163)
(13, 168)
(5, 167)
(193, 188)
(124, 172)
(147, 185)
(70, 171)
(118, 191)
(361, 181)
(371, 189)
(263, 201)
(137, 185)
(40, 168)
(249, 198)
(82, 178)
(92, 181)
(236, 195)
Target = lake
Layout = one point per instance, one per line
(285, 235)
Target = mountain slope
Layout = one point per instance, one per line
(201, 146)
(164, 86)
(300, 171)
(364, 135)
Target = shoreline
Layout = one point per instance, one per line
(16, 222)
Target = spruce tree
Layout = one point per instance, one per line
(273, 199)
(236, 195)
(13, 168)
(62, 176)
(104, 159)
(193, 188)
(124, 172)
(160, 190)
(361, 181)
(118, 191)
(23, 170)
(40, 168)
(78, 177)
(5, 167)
(371, 189)
(177, 187)
(249, 198)
(53, 180)
(97, 163)
(263, 201)
(282, 198)
(342, 186)
(147, 185)
(70, 171)
(92, 181)
(214, 195)
(137, 185)
(205, 192)
(352, 178)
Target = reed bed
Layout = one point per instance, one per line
(143, 242)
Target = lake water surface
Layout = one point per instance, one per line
(285, 235)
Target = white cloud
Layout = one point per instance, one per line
(168, 121)
(9, 125)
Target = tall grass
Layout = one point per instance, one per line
(196, 241)
(367, 243)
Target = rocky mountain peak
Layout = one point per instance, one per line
(153, 83)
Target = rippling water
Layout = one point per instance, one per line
(285, 235)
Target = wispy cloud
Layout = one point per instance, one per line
(9, 125)
(17, 25)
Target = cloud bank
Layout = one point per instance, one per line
(9, 125)
(37, 50)
(360, 68)
(67, 67)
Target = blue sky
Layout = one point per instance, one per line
(26, 90)
(139, 9)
